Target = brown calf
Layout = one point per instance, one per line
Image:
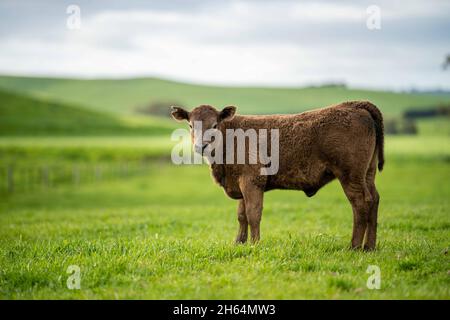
(343, 141)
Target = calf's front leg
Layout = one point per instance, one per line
(253, 198)
(243, 223)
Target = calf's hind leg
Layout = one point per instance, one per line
(359, 196)
(371, 236)
(243, 223)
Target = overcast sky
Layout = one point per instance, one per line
(251, 42)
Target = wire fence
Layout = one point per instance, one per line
(18, 178)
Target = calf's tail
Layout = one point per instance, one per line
(379, 129)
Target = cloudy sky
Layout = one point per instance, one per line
(249, 42)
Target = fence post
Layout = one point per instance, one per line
(126, 167)
(10, 178)
(98, 172)
(76, 175)
(44, 176)
(26, 178)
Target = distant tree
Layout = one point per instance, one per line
(390, 126)
(399, 126)
(157, 108)
(409, 127)
(446, 62)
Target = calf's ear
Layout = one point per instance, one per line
(227, 113)
(179, 113)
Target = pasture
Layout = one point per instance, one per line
(121, 97)
(85, 182)
(94, 206)
(168, 233)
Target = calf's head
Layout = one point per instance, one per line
(200, 119)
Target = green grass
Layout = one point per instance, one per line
(123, 96)
(409, 148)
(168, 234)
(434, 127)
(86, 148)
(25, 116)
(418, 148)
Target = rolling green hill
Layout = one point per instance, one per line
(123, 96)
(24, 116)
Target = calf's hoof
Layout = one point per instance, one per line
(355, 247)
(240, 240)
(368, 248)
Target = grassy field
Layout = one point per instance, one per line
(22, 115)
(123, 96)
(169, 234)
(85, 182)
(88, 148)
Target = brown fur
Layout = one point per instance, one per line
(343, 141)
